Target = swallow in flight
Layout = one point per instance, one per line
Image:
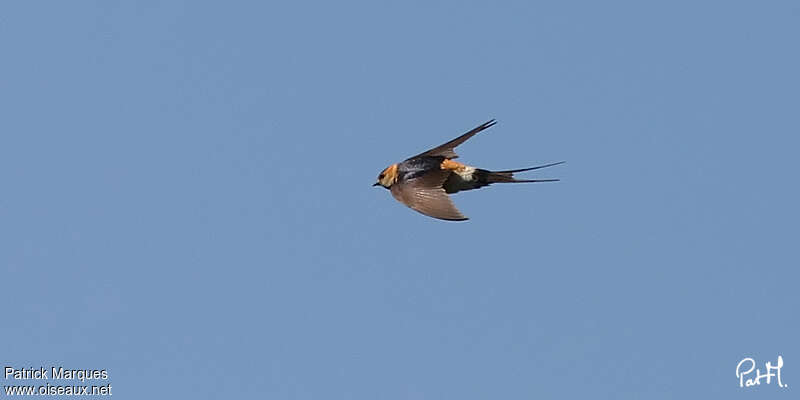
(424, 181)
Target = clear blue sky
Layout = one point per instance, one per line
(186, 197)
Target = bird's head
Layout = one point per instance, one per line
(388, 177)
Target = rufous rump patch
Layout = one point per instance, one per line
(452, 165)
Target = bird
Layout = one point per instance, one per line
(425, 181)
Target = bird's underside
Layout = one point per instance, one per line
(424, 181)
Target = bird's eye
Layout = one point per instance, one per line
(380, 176)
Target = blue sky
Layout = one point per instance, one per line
(187, 203)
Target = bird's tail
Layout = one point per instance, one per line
(508, 175)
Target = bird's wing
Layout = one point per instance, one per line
(426, 195)
(446, 150)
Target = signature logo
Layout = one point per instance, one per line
(746, 367)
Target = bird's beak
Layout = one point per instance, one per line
(375, 184)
